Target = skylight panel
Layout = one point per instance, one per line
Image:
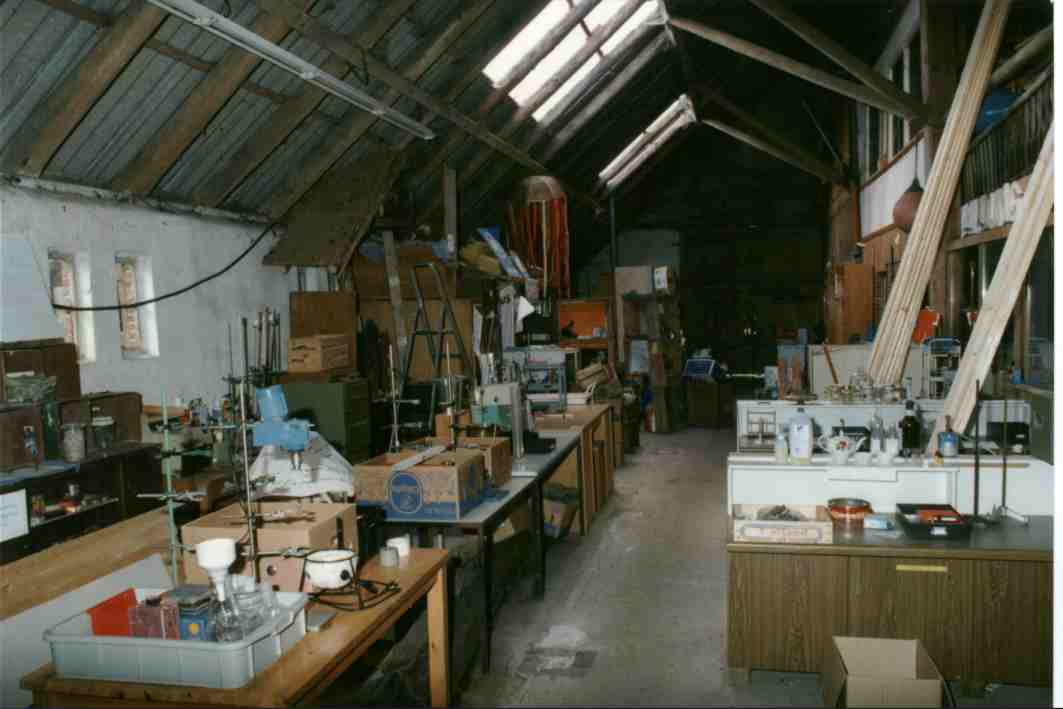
(604, 11)
(647, 142)
(549, 66)
(566, 88)
(526, 39)
(645, 12)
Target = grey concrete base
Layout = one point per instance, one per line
(646, 593)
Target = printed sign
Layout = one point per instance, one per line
(405, 493)
(14, 518)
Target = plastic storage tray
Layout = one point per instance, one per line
(78, 654)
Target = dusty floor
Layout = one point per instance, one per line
(635, 612)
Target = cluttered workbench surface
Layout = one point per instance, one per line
(1008, 540)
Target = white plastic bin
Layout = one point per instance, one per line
(78, 654)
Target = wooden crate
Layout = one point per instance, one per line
(318, 353)
(445, 486)
(818, 528)
(325, 313)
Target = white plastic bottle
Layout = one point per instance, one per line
(801, 437)
(782, 448)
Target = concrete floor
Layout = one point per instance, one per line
(635, 612)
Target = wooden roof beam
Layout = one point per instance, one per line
(851, 89)
(53, 119)
(356, 123)
(766, 131)
(289, 116)
(820, 170)
(516, 75)
(842, 57)
(165, 148)
(354, 53)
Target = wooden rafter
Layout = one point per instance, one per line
(143, 172)
(821, 170)
(356, 123)
(342, 47)
(921, 251)
(517, 74)
(766, 131)
(841, 56)
(53, 120)
(853, 90)
(289, 116)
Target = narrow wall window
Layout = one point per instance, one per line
(898, 121)
(137, 326)
(71, 284)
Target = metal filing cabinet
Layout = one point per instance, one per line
(341, 411)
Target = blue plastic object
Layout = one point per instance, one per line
(292, 435)
(271, 403)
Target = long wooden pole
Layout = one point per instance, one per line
(823, 172)
(906, 295)
(1019, 249)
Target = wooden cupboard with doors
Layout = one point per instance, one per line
(982, 607)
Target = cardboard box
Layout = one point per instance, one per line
(321, 532)
(445, 486)
(557, 517)
(497, 451)
(518, 521)
(818, 528)
(318, 353)
(880, 672)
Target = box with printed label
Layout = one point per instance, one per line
(446, 486)
(498, 455)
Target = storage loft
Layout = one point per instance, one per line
(555, 352)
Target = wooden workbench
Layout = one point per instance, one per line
(302, 674)
(597, 458)
(982, 607)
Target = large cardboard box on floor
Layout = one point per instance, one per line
(324, 526)
(880, 672)
(498, 455)
(445, 486)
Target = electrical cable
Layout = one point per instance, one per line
(172, 294)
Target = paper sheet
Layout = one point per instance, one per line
(323, 470)
(507, 315)
(640, 356)
(14, 517)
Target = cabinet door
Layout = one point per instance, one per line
(929, 599)
(1012, 622)
(783, 609)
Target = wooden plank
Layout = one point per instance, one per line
(841, 56)
(855, 91)
(356, 123)
(290, 115)
(152, 162)
(999, 301)
(438, 643)
(48, 574)
(902, 307)
(52, 120)
(1034, 46)
(517, 74)
(820, 170)
(356, 54)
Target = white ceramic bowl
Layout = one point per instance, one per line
(331, 568)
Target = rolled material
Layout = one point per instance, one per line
(400, 544)
(389, 556)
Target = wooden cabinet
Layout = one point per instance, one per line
(930, 599)
(783, 610)
(51, 358)
(849, 293)
(983, 608)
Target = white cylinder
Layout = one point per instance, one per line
(400, 544)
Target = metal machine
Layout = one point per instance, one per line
(504, 406)
(276, 429)
(941, 360)
(544, 373)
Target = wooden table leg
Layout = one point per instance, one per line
(539, 540)
(439, 641)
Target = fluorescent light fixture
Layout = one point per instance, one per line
(240, 36)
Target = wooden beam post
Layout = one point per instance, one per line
(821, 170)
(343, 47)
(143, 172)
(851, 89)
(906, 295)
(841, 56)
(356, 122)
(271, 134)
(52, 120)
(1016, 62)
(999, 302)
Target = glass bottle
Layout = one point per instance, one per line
(911, 430)
(878, 435)
(225, 614)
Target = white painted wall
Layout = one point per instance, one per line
(193, 340)
(879, 197)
